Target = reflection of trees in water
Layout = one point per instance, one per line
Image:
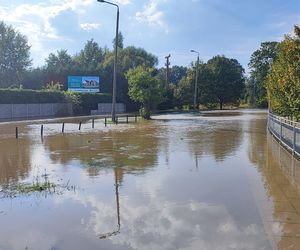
(14, 159)
(281, 176)
(134, 149)
(273, 161)
(257, 142)
(219, 139)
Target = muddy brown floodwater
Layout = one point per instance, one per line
(179, 181)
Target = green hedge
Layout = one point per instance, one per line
(18, 96)
(89, 101)
(82, 102)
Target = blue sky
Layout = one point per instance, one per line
(234, 28)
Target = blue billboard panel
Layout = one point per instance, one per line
(84, 83)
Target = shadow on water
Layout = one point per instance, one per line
(280, 207)
(219, 140)
(15, 160)
(131, 150)
(138, 190)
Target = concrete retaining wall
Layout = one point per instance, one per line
(15, 111)
(106, 108)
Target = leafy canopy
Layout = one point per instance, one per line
(260, 64)
(283, 82)
(14, 56)
(144, 88)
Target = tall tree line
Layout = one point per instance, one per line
(220, 82)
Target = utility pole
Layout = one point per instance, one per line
(167, 69)
(196, 79)
(114, 89)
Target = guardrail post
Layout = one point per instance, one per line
(42, 130)
(63, 128)
(280, 130)
(79, 126)
(294, 138)
(93, 123)
(17, 133)
(105, 121)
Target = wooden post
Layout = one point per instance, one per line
(17, 133)
(105, 121)
(126, 118)
(63, 128)
(93, 123)
(79, 126)
(42, 130)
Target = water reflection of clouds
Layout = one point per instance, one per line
(160, 224)
(160, 209)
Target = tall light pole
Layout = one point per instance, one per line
(196, 80)
(113, 110)
(167, 69)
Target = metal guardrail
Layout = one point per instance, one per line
(286, 131)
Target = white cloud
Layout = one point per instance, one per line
(280, 24)
(90, 26)
(123, 2)
(152, 15)
(159, 224)
(34, 21)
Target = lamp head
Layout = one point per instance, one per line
(191, 49)
(101, 1)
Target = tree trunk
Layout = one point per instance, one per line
(146, 112)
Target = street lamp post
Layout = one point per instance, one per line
(196, 80)
(113, 112)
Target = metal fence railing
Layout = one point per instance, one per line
(286, 131)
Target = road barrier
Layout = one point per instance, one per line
(118, 119)
(286, 131)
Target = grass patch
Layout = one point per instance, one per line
(37, 186)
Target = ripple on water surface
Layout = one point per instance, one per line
(180, 181)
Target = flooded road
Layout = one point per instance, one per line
(179, 181)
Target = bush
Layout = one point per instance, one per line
(89, 101)
(20, 96)
(82, 102)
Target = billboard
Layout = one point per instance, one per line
(84, 83)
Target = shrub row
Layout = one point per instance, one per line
(89, 101)
(18, 96)
(82, 102)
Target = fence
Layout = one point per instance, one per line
(118, 119)
(14, 111)
(286, 131)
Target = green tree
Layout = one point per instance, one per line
(206, 87)
(128, 58)
(14, 56)
(227, 81)
(177, 73)
(34, 78)
(120, 41)
(144, 88)
(58, 67)
(260, 64)
(89, 58)
(283, 81)
(184, 93)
